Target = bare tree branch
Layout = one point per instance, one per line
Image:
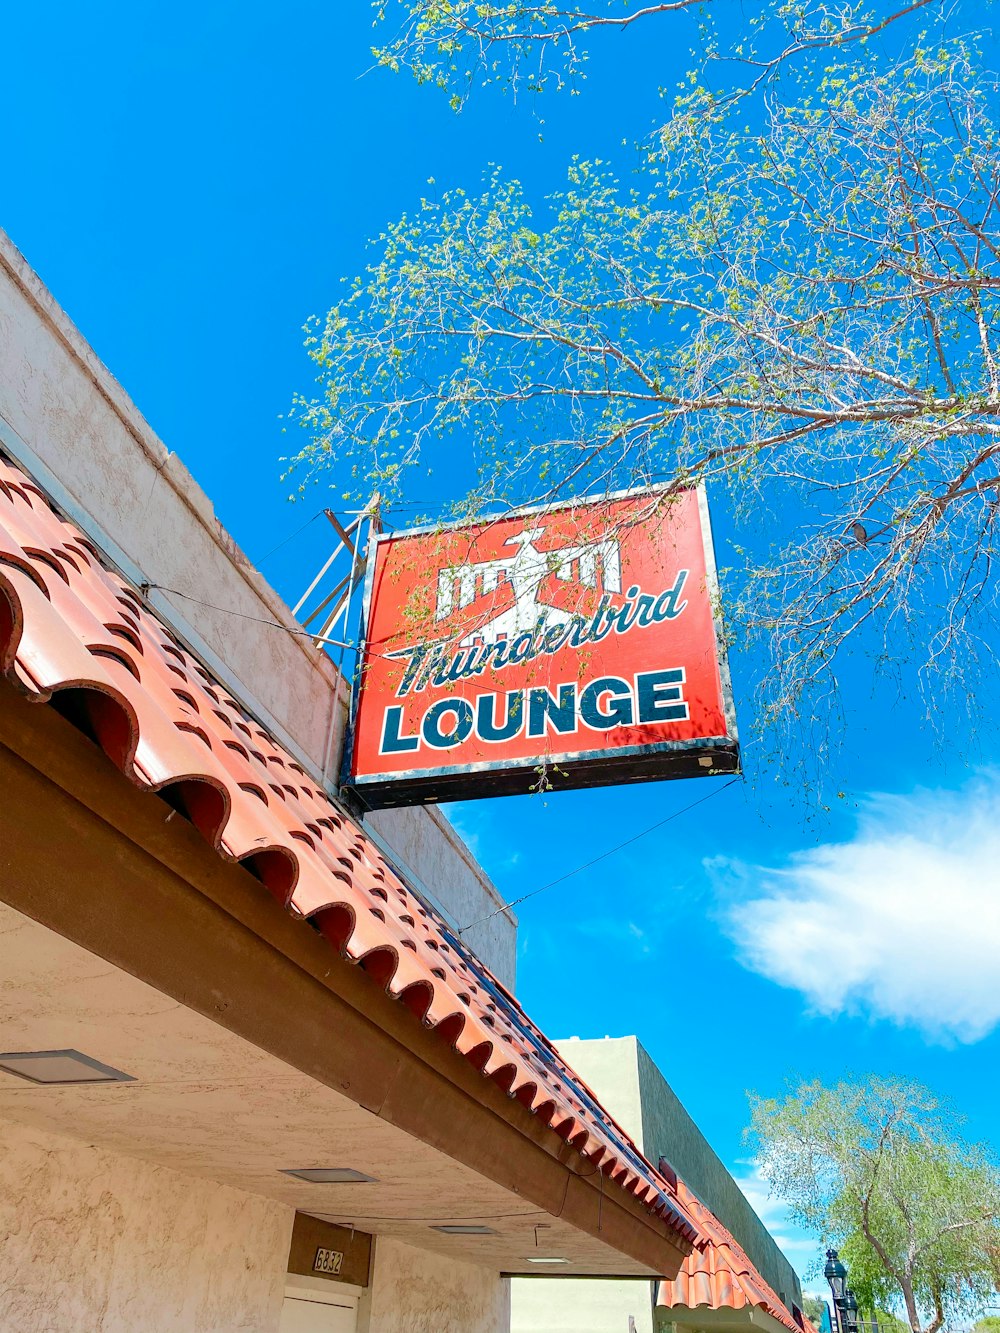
(802, 316)
(529, 45)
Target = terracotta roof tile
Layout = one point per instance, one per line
(74, 633)
(718, 1273)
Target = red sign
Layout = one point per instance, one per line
(569, 646)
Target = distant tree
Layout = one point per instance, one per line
(813, 1308)
(988, 1324)
(880, 1169)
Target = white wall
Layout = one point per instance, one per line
(581, 1305)
(415, 1291)
(94, 1242)
(70, 423)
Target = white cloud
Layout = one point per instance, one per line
(902, 922)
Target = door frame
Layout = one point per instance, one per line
(322, 1290)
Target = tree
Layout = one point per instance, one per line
(813, 1308)
(801, 314)
(530, 45)
(880, 1169)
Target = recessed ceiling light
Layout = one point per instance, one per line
(329, 1175)
(549, 1259)
(465, 1231)
(50, 1067)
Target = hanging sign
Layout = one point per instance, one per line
(569, 646)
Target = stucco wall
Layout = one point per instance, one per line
(414, 1291)
(611, 1068)
(432, 849)
(68, 421)
(93, 1242)
(629, 1084)
(639, 1097)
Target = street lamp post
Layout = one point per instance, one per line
(844, 1303)
(850, 1311)
(836, 1274)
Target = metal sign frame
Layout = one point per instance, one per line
(697, 757)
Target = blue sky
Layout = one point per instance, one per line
(191, 183)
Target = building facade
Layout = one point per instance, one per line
(250, 1076)
(736, 1275)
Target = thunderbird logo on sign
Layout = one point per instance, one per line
(526, 572)
(576, 644)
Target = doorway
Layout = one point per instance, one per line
(319, 1308)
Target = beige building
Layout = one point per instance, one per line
(250, 1076)
(735, 1279)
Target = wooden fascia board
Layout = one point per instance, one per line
(227, 950)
